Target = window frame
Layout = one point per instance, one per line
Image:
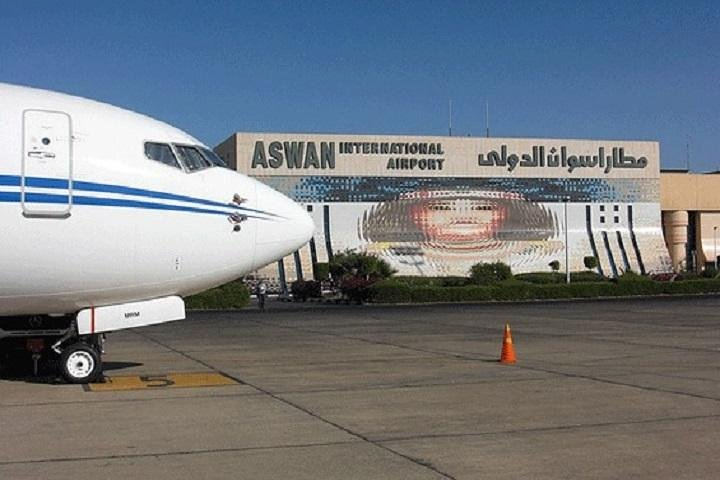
(178, 165)
(176, 149)
(202, 147)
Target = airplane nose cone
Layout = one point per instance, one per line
(300, 226)
(306, 226)
(287, 228)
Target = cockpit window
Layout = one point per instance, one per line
(213, 158)
(161, 152)
(192, 158)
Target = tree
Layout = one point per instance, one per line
(590, 262)
(355, 272)
(321, 271)
(554, 265)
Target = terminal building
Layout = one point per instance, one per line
(691, 218)
(435, 206)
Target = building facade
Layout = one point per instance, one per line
(434, 206)
(691, 218)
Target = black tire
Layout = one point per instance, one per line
(80, 363)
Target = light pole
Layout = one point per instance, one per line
(715, 247)
(567, 247)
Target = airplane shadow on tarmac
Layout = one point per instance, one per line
(108, 366)
(47, 374)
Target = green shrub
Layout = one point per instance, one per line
(591, 263)
(544, 278)
(390, 291)
(454, 281)
(587, 276)
(394, 292)
(359, 264)
(630, 276)
(637, 287)
(554, 265)
(236, 295)
(356, 289)
(303, 289)
(489, 273)
(692, 286)
(231, 295)
(665, 277)
(321, 271)
(468, 293)
(432, 281)
(418, 281)
(356, 272)
(709, 272)
(541, 278)
(682, 276)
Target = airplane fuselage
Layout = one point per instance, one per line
(109, 218)
(89, 219)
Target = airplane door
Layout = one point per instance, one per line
(46, 187)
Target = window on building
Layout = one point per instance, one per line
(602, 219)
(161, 152)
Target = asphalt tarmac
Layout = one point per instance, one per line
(602, 389)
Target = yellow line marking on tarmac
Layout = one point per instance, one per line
(170, 380)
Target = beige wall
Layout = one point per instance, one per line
(689, 191)
(681, 193)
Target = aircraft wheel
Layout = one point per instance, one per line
(80, 363)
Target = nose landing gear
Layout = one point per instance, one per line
(80, 363)
(53, 344)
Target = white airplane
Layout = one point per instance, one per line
(109, 217)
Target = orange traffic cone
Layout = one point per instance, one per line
(508, 351)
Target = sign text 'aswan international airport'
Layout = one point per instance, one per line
(296, 154)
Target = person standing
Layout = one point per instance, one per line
(260, 292)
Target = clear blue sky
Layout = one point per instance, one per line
(615, 70)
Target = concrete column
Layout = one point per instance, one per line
(675, 227)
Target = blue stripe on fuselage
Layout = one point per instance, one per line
(79, 185)
(14, 197)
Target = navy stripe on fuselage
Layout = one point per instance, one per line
(58, 183)
(14, 197)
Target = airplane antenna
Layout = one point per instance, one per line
(687, 154)
(487, 119)
(450, 125)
